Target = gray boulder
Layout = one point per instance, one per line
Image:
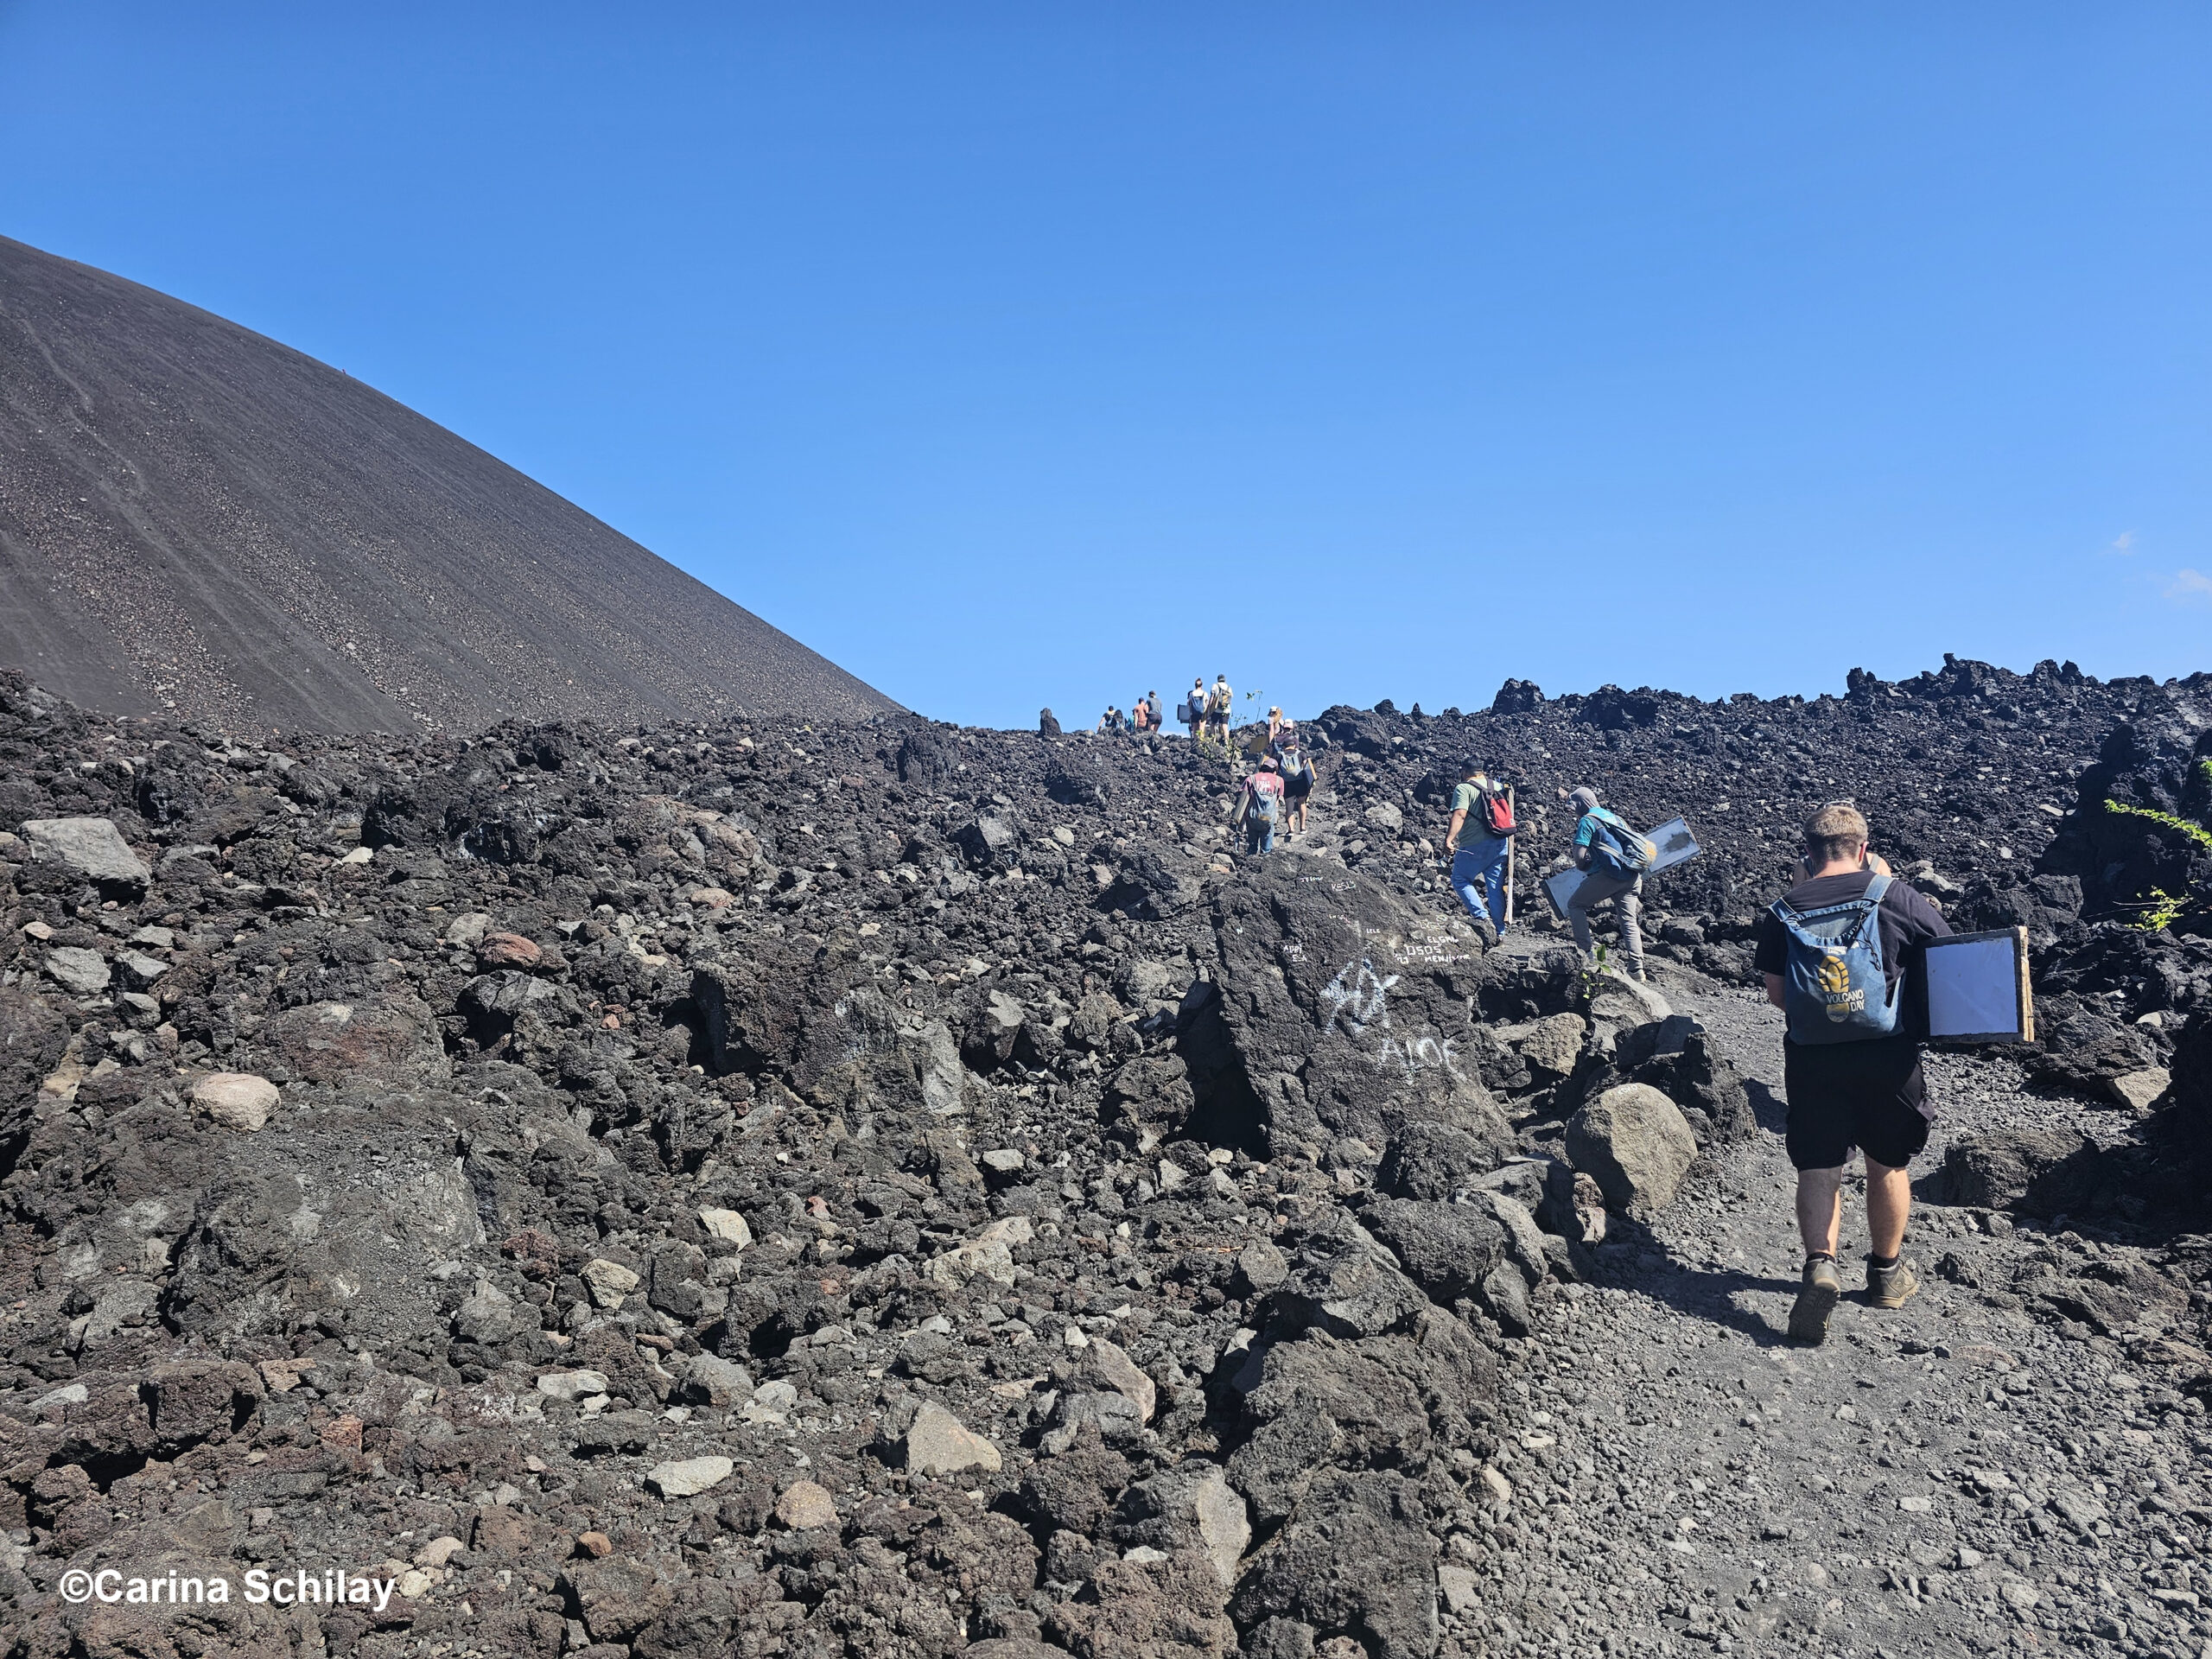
(1636, 1143)
(33, 1039)
(689, 1477)
(1261, 1267)
(1154, 882)
(1504, 1295)
(93, 848)
(711, 1381)
(1188, 1507)
(1321, 1401)
(1524, 1238)
(1555, 1044)
(78, 970)
(938, 1443)
(1149, 1099)
(487, 1316)
(238, 1099)
(992, 1030)
(1626, 1003)
(1115, 1416)
(1711, 1092)
(1341, 1280)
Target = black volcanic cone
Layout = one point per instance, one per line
(195, 518)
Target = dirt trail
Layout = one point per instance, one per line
(1952, 1476)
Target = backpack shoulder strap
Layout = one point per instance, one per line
(1865, 907)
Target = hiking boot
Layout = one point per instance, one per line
(1816, 1299)
(1889, 1286)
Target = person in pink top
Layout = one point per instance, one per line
(1260, 807)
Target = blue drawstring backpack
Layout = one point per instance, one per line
(1836, 989)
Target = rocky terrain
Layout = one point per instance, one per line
(202, 523)
(884, 1189)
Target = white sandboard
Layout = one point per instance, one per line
(1675, 844)
(1978, 988)
(1559, 886)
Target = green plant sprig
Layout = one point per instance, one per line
(2163, 910)
(2196, 832)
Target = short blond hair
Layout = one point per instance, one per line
(1836, 831)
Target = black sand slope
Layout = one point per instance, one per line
(195, 519)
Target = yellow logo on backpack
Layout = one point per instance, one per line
(1836, 993)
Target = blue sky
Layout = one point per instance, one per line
(1014, 355)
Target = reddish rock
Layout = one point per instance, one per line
(507, 950)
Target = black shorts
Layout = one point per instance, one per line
(1871, 1095)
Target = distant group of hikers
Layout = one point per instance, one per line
(1138, 720)
(1205, 715)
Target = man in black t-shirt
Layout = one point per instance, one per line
(1867, 1094)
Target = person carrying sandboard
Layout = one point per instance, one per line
(1844, 956)
(1615, 858)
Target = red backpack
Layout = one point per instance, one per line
(1497, 813)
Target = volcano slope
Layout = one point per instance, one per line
(878, 1188)
(200, 520)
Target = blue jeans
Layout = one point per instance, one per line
(1259, 835)
(1484, 858)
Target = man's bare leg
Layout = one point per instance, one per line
(1889, 1204)
(1820, 1209)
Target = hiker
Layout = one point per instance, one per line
(1141, 717)
(1152, 703)
(1194, 708)
(1480, 835)
(1855, 998)
(1616, 858)
(1259, 807)
(1110, 722)
(1221, 703)
(1276, 724)
(1298, 780)
(1047, 725)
